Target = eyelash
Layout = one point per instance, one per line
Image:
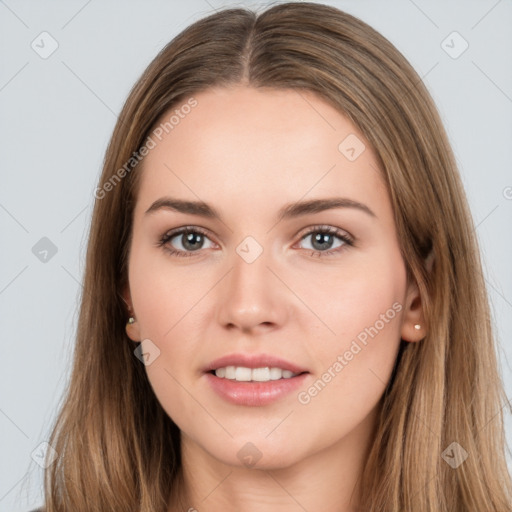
(348, 241)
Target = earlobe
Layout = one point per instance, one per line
(132, 327)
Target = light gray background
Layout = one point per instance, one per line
(57, 115)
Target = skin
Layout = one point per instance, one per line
(248, 152)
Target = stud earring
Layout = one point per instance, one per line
(131, 320)
(417, 327)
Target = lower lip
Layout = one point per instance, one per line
(254, 393)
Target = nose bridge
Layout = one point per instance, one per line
(250, 275)
(251, 293)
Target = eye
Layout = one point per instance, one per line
(323, 240)
(189, 239)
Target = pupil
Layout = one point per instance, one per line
(192, 241)
(322, 239)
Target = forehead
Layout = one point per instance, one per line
(244, 143)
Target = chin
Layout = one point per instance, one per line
(254, 452)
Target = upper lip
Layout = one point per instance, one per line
(254, 361)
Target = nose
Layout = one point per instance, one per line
(251, 297)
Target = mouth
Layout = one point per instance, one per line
(253, 380)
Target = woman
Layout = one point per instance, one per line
(283, 304)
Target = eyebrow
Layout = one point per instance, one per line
(288, 211)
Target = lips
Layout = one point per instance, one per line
(253, 379)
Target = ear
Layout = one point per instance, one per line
(413, 321)
(413, 316)
(133, 329)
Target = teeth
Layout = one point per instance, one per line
(230, 372)
(275, 373)
(261, 374)
(243, 374)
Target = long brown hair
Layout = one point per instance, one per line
(118, 449)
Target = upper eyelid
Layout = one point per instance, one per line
(325, 227)
(328, 228)
(171, 233)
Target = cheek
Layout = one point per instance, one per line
(163, 292)
(164, 299)
(351, 371)
(360, 300)
(353, 365)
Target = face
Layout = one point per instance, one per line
(269, 282)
